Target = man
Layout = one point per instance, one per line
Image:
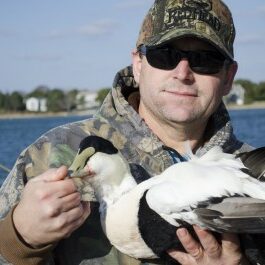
(182, 67)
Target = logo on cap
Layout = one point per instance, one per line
(199, 4)
(190, 13)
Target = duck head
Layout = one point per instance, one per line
(99, 161)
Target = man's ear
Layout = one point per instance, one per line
(136, 64)
(230, 75)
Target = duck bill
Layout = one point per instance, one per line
(82, 173)
(85, 172)
(78, 168)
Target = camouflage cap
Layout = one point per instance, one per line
(210, 20)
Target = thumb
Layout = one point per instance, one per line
(52, 174)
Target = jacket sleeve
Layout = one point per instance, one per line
(15, 250)
(12, 247)
(53, 149)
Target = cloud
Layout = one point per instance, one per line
(39, 57)
(259, 11)
(56, 34)
(133, 4)
(8, 33)
(96, 28)
(251, 39)
(253, 12)
(262, 10)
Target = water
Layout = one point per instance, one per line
(16, 134)
(249, 126)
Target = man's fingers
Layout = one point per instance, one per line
(69, 221)
(208, 242)
(207, 250)
(78, 213)
(87, 209)
(230, 242)
(56, 189)
(68, 202)
(63, 187)
(181, 257)
(189, 244)
(52, 174)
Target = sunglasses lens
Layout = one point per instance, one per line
(206, 62)
(202, 62)
(162, 58)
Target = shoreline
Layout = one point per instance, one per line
(254, 105)
(25, 115)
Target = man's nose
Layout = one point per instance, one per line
(183, 71)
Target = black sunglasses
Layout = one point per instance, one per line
(200, 61)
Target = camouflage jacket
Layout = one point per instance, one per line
(118, 121)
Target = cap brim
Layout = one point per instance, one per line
(181, 33)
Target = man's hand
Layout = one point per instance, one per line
(50, 208)
(208, 251)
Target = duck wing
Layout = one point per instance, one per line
(234, 215)
(139, 173)
(255, 162)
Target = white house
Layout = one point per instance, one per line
(36, 104)
(236, 95)
(87, 100)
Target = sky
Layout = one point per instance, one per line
(81, 44)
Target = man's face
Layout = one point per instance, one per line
(180, 95)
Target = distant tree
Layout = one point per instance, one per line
(2, 100)
(39, 92)
(260, 91)
(6, 103)
(56, 100)
(102, 93)
(16, 101)
(70, 99)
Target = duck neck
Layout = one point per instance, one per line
(109, 193)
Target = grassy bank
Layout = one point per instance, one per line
(24, 114)
(254, 105)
